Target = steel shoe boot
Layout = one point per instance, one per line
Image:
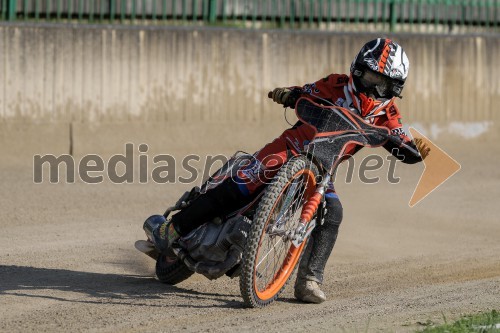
(160, 232)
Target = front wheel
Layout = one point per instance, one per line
(270, 257)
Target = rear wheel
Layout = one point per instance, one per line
(171, 270)
(270, 257)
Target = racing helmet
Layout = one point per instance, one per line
(378, 74)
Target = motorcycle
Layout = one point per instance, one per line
(262, 242)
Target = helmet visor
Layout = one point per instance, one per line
(380, 85)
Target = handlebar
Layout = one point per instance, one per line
(394, 139)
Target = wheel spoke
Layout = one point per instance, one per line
(268, 253)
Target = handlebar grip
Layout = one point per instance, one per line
(270, 94)
(401, 143)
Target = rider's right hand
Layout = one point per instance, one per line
(281, 95)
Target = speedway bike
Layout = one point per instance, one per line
(262, 242)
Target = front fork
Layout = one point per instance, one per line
(307, 224)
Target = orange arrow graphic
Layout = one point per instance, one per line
(439, 166)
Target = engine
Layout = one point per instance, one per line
(215, 248)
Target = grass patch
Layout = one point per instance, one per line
(481, 323)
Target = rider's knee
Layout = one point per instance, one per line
(334, 208)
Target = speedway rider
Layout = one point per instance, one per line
(377, 76)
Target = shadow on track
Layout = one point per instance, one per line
(98, 288)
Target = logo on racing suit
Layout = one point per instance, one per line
(398, 131)
(252, 171)
(339, 102)
(310, 88)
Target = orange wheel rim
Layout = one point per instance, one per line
(293, 254)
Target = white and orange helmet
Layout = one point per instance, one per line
(378, 74)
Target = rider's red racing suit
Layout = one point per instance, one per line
(332, 88)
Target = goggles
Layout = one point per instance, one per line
(378, 85)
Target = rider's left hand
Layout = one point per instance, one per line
(422, 147)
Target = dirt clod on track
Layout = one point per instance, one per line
(68, 263)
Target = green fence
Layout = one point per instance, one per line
(393, 15)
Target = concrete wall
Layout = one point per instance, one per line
(90, 74)
(92, 89)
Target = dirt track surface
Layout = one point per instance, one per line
(67, 261)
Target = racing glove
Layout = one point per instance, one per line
(285, 96)
(422, 147)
